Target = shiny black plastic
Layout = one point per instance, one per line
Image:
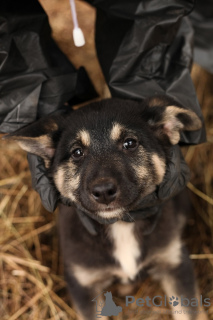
(145, 49)
(36, 78)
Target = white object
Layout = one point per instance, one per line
(78, 35)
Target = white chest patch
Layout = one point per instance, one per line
(126, 247)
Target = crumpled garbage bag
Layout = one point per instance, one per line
(145, 48)
(36, 78)
(202, 21)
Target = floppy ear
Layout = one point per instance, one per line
(40, 137)
(167, 119)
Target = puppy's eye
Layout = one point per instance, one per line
(77, 153)
(130, 144)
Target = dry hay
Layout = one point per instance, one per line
(31, 273)
(29, 264)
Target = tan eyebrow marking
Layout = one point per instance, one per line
(84, 136)
(116, 131)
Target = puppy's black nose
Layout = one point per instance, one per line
(104, 192)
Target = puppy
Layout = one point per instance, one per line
(104, 159)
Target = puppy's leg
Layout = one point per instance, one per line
(82, 296)
(178, 283)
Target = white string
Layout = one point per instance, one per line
(74, 14)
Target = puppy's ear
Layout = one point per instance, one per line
(40, 137)
(167, 119)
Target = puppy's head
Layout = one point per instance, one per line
(107, 155)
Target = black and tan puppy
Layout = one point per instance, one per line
(103, 159)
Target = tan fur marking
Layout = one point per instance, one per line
(202, 314)
(141, 171)
(171, 254)
(44, 138)
(160, 167)
(111, 214)
(84, 136)
(41, 146)
(170, 289)
(196, 122)
(74, 183)
(51, 126)
(23, 142)
(172, 125)
(24, 146)
(87, 277)
(116, 131)
(173, 111)
(66, 180)
(156, 102)
(175, 137)
(59, 178)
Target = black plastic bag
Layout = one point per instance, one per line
(36, 78)
(145, 48)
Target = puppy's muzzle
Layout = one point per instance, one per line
(104, 192)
